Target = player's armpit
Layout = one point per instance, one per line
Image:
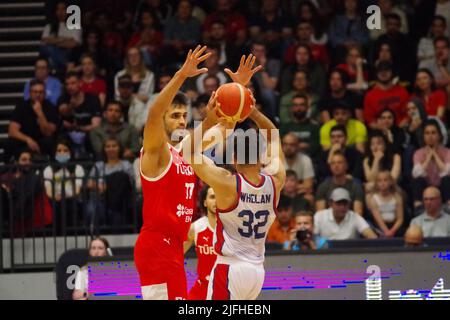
(218, 178)
(155, 161)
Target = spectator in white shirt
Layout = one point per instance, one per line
(339, 222)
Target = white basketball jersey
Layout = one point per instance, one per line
(241, 230)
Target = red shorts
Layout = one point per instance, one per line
(198, 290)
(159, 260)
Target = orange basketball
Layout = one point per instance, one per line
(235, 101)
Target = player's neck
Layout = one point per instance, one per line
(212, 219)
(251, 174)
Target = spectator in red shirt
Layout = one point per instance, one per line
(305, 34)
(353, 67)
(90, 83)
(235, 22)
(112, 41)
(385, 94)
(433, 99)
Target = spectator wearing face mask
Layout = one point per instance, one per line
(63, 182)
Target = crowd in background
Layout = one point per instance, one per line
(363, 113)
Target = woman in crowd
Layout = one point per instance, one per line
(99, 247)
(90, 82)
(386, 122)
(434, 100)
(353, 67)
(380, 157)
(111, 181)
(303, 61)
(143, 79)
(385, 204)
(63, 182)
(431, 164)
(415, 121)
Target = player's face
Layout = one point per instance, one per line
(97, 249)
(175, 119)
(210, 201)
(304, 223)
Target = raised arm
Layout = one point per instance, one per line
(156, 154)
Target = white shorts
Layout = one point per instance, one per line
(233, 279)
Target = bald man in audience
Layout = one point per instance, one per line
(434, 222)
(413, 236)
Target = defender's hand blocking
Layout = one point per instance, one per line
(245, 72)
(194, 58)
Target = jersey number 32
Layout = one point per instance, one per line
(254, 222)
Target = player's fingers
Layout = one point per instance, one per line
(252, 62)
(228, 71)
(248, 59)
(257, 69)
(242, 60)
(196, 49)
(200, 51)
(201, 71)
(204, 57)
(189, 53)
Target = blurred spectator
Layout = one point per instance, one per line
(162, 9)
(52, 84)
(182, 31)
(307, 11)
(137, 174)
(425, 48)
(386, 123)
(98, 247)
(431, 164)
(134, 110)
(112, 41)
(25, 189)
(143, 79)
(353, 67)
(272, 26)
(380, 157)
(63, 182)
(292, 190)
(439, 65)
(304, 61)
(210, 83)
(113, 127)
(281, 228)
(80, 114)
(229, 52)
(149, 37)
(90, 82)
(302, 126)
(300, 86)
(267, 78)
(434, 100)
(383, 52)
(434, 222)
(111, 183)
(199, 107)
(234, 22)
(340, 179)
(388, 8)
(413, 237)
(356, 130)
(93, 46)
(33, 123)
(57, 40)
(401, 45)
(302, 236)
(339, 222)
(443, 8)
(417, 117)
(347, 29)
(300, 163)
(338, 144)
(337, 93)
(385, 204)
(385, 94)
(304, 35)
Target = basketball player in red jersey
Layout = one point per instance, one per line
(168, 186)
(201, 234)
(246, 205)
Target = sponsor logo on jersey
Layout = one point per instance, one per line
(184, 211)
(254, 198)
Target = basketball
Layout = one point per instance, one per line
(235, 101)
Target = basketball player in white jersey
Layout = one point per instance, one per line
(246, 207)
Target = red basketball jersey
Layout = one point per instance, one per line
(170, 199)
(204, 248)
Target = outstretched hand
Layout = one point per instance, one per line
(193, 59)
(245, 72)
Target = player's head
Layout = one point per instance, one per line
(208, 199)
(246, 149)
(175, 117)
(98, 247)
